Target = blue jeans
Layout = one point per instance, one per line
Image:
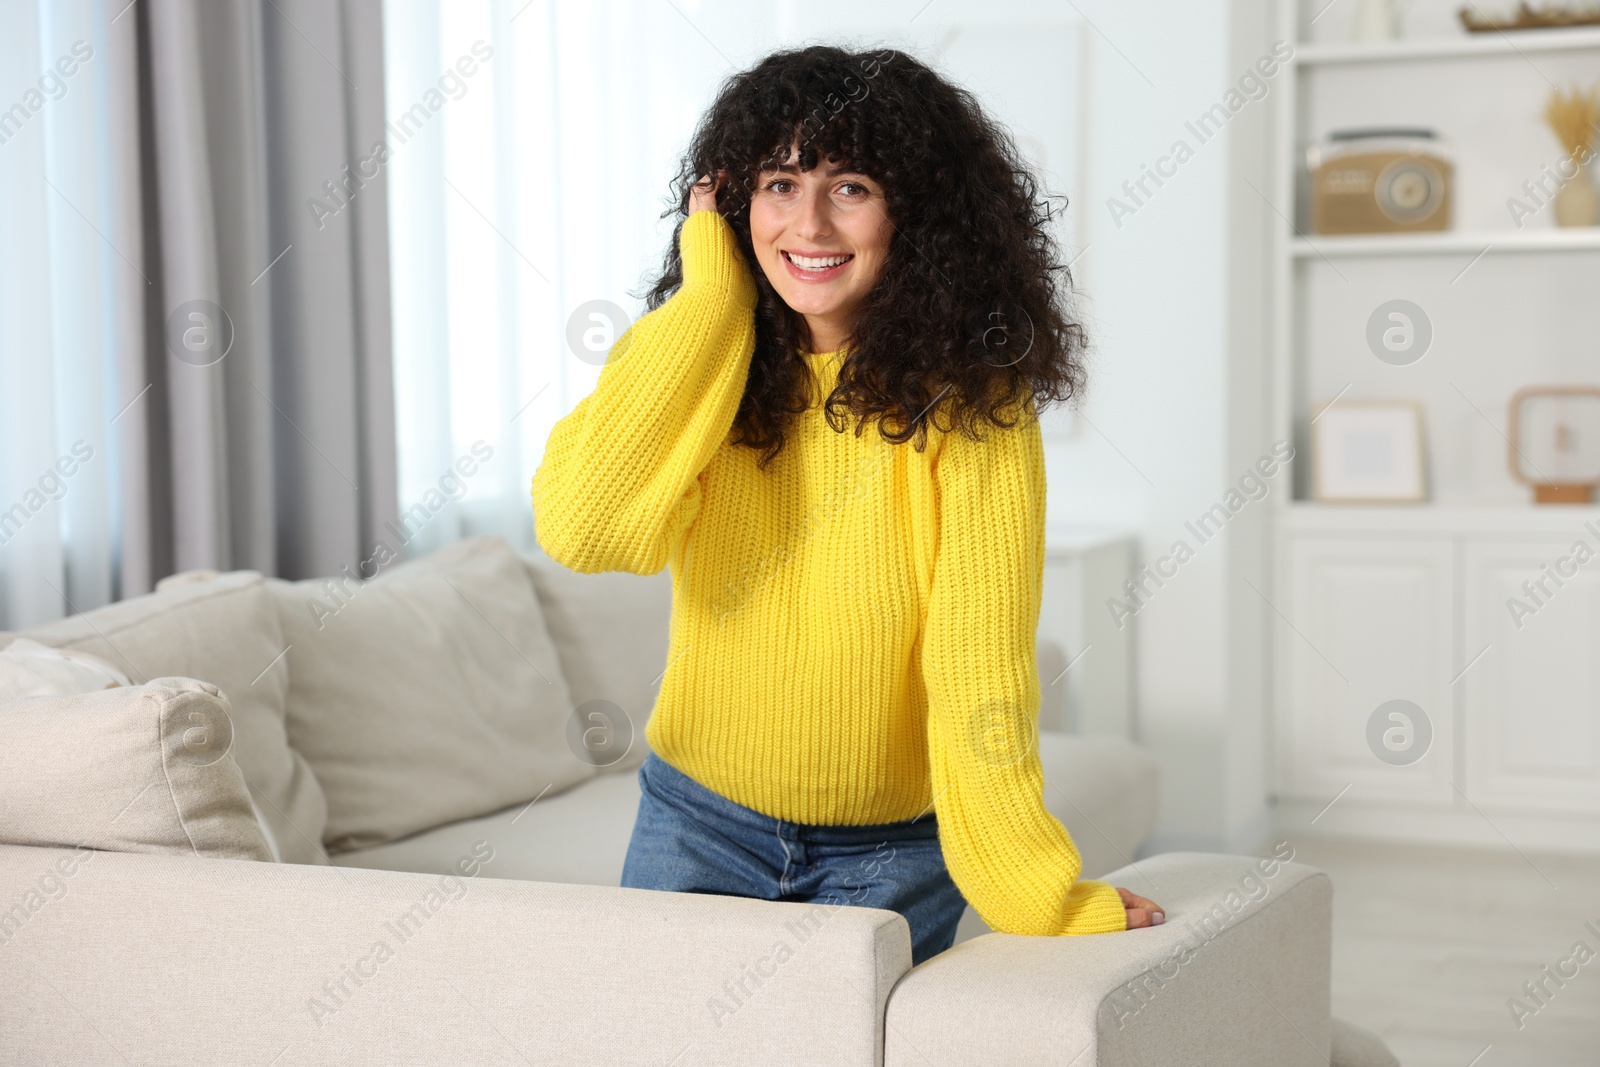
(690, 839)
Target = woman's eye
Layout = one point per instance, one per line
(772, 186)
(859, 189)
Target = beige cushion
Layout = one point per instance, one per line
(579, 837)
(611, 632)
(129, 769)
(224, 631)
(429, 694)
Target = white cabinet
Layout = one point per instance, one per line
(1371, 625)
(1489, 625)
(1531, 703)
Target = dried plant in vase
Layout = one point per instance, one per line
(1546, 16)
(1572, 116)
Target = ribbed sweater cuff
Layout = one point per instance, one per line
(1101, 912)
(712, 257)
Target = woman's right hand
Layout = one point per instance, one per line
(703, 194)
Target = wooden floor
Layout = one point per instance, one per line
(1430, 943)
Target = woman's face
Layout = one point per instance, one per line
(822, 238)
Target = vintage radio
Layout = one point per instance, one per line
(1380, 181)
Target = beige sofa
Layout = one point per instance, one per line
(436, 773)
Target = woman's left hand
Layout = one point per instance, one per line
(1141, 912)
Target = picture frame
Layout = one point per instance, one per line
(1553, 442)
(1369, 452)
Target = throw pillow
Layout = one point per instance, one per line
(129, 769)
(428, 694)
(224, 631)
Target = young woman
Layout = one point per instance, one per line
(849, 709)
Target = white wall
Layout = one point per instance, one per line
(1152, 455)
(1178, 402)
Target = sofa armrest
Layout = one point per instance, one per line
(1239, 975)
(206, 961)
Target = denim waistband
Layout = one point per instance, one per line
(662, 778)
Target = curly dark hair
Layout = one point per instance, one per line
(969, 316)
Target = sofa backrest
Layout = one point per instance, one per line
(609, 633)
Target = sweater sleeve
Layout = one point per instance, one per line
(1011, 859)
(619, 485)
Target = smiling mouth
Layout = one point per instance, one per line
(816, 268)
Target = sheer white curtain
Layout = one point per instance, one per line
(70, 294)
(532, 143)
(532, 187)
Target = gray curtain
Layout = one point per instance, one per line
(265, 439)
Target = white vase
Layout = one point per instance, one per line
(1577, 203)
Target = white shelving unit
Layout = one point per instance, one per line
(1375, 604)
(1519, 42)
(1469, 243)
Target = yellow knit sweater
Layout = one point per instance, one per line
(852, 635)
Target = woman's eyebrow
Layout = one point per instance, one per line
(832, 172)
